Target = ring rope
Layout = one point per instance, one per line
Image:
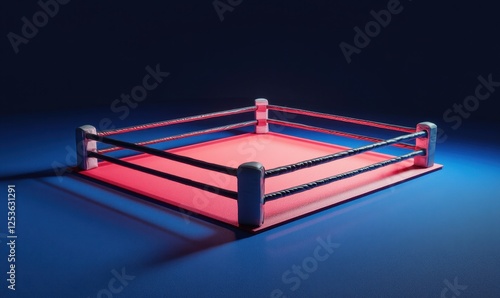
(304, 187)
(206, 187)
(185, 135)
(176, 121)
(339, 155)
(342, 118)
(164, 154)
(336, 132)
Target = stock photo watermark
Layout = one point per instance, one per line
(137, 94)
(463, 110)
(30, 27)
(452, 290)
(294, 276)
(11, 236)
(221, 7)
(121, 108)
(363, 36)
(115, 285)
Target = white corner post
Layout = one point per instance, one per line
(83, 146)
(250, 194)
(427, 143)
(261, 115)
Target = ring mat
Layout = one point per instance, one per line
(272, 150)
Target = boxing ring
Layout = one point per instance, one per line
(259, 179)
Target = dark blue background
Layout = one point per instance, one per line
(426, 59)
(401, 242)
